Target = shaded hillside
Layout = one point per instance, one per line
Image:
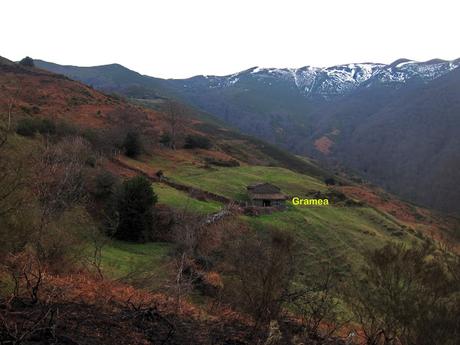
(54, 96)
(395, 125)
(410, 144)
(110, 78)
(45, 94)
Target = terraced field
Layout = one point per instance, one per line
(337, 232)
(181, 200)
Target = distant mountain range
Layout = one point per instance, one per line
(331, 82)
(397, 125)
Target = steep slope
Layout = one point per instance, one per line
(45, 94)
(410, 145)
(109, 78)
(258, 162)
(345, 115)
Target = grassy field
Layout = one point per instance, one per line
(122, 260)
(336, 232)
(181, 200)
(128, 261)
(232, 182)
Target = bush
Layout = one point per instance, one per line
(27, 61)
(46, 126)
(263, 270)
(222, 163)
(132, 145)
(26, 127)
(330, 181)
(406, 296)
(67, 129)
(29, 126)
(135, 203)
(197, 142)
(165, 139)
(105, 185)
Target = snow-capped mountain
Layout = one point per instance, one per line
(396, 125)
(333, 81)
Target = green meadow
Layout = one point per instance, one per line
(335, 232)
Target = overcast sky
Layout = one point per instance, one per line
(182, 38)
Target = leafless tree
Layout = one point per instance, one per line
(20, 327)
(57, 184)
(317, 302)
(405, 296)
(5, 124)
(264, 269)
(12, 179)
(175, 117)
(11, 170)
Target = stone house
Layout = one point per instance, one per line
(266, 195)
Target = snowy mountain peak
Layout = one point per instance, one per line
(338, 80)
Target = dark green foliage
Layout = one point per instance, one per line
(104, 185)
(330, 181)
(67, 129)
(28, 127)
(135, 203)
(132, 144)
(197, 142)
(47, 126)
(27, 61)
(222, 163)
(165, 139)
(104, 190)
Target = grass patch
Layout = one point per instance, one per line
(178, 199)
(340, 234)
(232, 182)
(121, 259)
(336, 232)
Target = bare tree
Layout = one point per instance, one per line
(317, 302)
(264, 269)
(11, 170)
(405, 296)
(98, 240)
(12, 180)
(22, 327)
(57, 184)
(5, 124)
(175, 117)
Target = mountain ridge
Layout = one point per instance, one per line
(323, 112)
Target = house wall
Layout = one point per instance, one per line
(274, 203)
(257, 203)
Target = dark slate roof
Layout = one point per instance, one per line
(263, 188)
(274, 196)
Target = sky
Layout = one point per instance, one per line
(182, 38)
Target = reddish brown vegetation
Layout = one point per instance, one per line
(82, 310)
(433, 225)
(324, 145)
